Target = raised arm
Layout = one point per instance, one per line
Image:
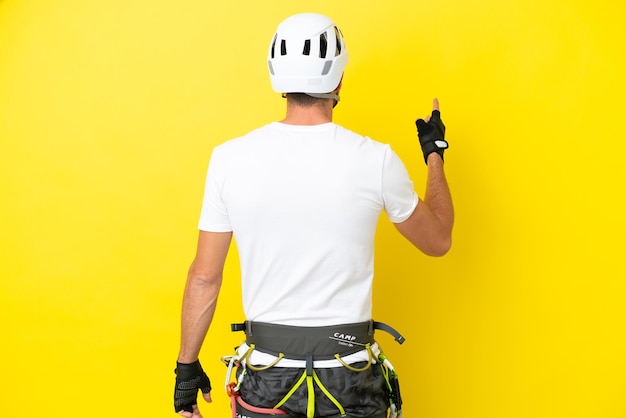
(429, 227)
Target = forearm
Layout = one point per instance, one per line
(199, 302)
(437, 196)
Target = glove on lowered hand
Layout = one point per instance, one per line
(431, 135)
(189, 378)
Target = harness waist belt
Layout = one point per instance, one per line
(323, 342)
(295, 342)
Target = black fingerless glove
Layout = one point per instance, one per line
(189, 378)
(431, 135)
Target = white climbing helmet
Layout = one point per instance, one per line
(307, 55)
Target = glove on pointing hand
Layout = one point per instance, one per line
(431, 135)
(189, 378)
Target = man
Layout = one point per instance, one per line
(302, 197)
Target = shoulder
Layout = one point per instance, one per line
(239, 146)
(364, 143)
(261, 132)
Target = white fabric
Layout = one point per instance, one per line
(303, 203)
(260, 359)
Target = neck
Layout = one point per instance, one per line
(312, 115)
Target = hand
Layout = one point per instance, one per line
(190, 378)
(431, 133)
(195, 414)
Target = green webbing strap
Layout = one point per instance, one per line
(310, 407)
(328, 394)
(291, 391)
(307, 376)
(310, 377)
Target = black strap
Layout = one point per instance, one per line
(309, 364)
(240, 326)
(384, 327)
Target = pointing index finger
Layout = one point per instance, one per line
(436, 104)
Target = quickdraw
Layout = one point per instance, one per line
(393, 386)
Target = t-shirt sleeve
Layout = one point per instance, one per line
(214, 216)
(399, 195)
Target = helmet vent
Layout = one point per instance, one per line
(307, 47)
(327, 66)
(273, 47)
(283, 47)
(323, 45)
(338, 41)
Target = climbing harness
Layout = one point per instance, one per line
(333, 346)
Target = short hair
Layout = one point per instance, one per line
(303, 99)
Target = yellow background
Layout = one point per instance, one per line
(109, 112)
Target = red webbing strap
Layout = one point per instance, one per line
(236, 399)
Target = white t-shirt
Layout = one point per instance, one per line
(303, 203)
